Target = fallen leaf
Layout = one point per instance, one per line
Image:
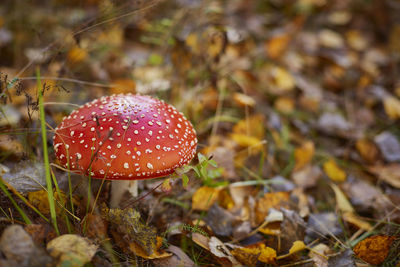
(389, 173)
(297, 246)
(341, 200)
(204, 198)
(127, 222)
(356, 40)
(271, 200)
(219, 220)
(374, 249)
(179, 258)
(285, 105)
(282, 79)
(96, 227)
(217, 248)
(157, 254)
(317, 254)
(304, 154)
(76, 55)
(334, 172)
(244, 100)
(389, 145)
(307, 176)
(331, 39)
(71, 250)
(39, 199)
(262, 253)
(357, 221)
(277, 45)
(367, 150)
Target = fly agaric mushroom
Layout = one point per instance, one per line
(125, 138)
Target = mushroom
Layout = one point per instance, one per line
(125, 138)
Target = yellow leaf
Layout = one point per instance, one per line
(251, 126)
(157, 254)
(192, 41)
(40, 200)
(357, 221)
(271, 200)
(341, 200)
(244, 100)
(204, 198)
(284, 105)
(304, 154)
(246, 255)
(76, 55)
(284, 81)
(334, 172)
(392, 107)
(297, 246)
(225, 200)
(246, 141)
(268, 255)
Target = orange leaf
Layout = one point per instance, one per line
(374, 249)
(304, 154)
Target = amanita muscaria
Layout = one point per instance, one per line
(126, 138)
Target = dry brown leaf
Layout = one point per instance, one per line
(261, 252)
(204, 198)
(317, 254)
(277, 45)
(367, 150)
(304, 154)
(374, 249)
(271, 200)
(389, 173)
(39, 199)
(334, 172)
(218, 249)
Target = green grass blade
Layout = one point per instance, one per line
(46, 155)
(7, 193)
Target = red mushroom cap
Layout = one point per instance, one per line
(125, 137)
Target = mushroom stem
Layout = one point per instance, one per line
(118, 189)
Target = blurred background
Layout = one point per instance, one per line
(300, 94)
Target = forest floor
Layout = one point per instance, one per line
(296, 105)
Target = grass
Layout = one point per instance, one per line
(49, 183)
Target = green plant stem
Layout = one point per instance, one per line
(45, 154)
